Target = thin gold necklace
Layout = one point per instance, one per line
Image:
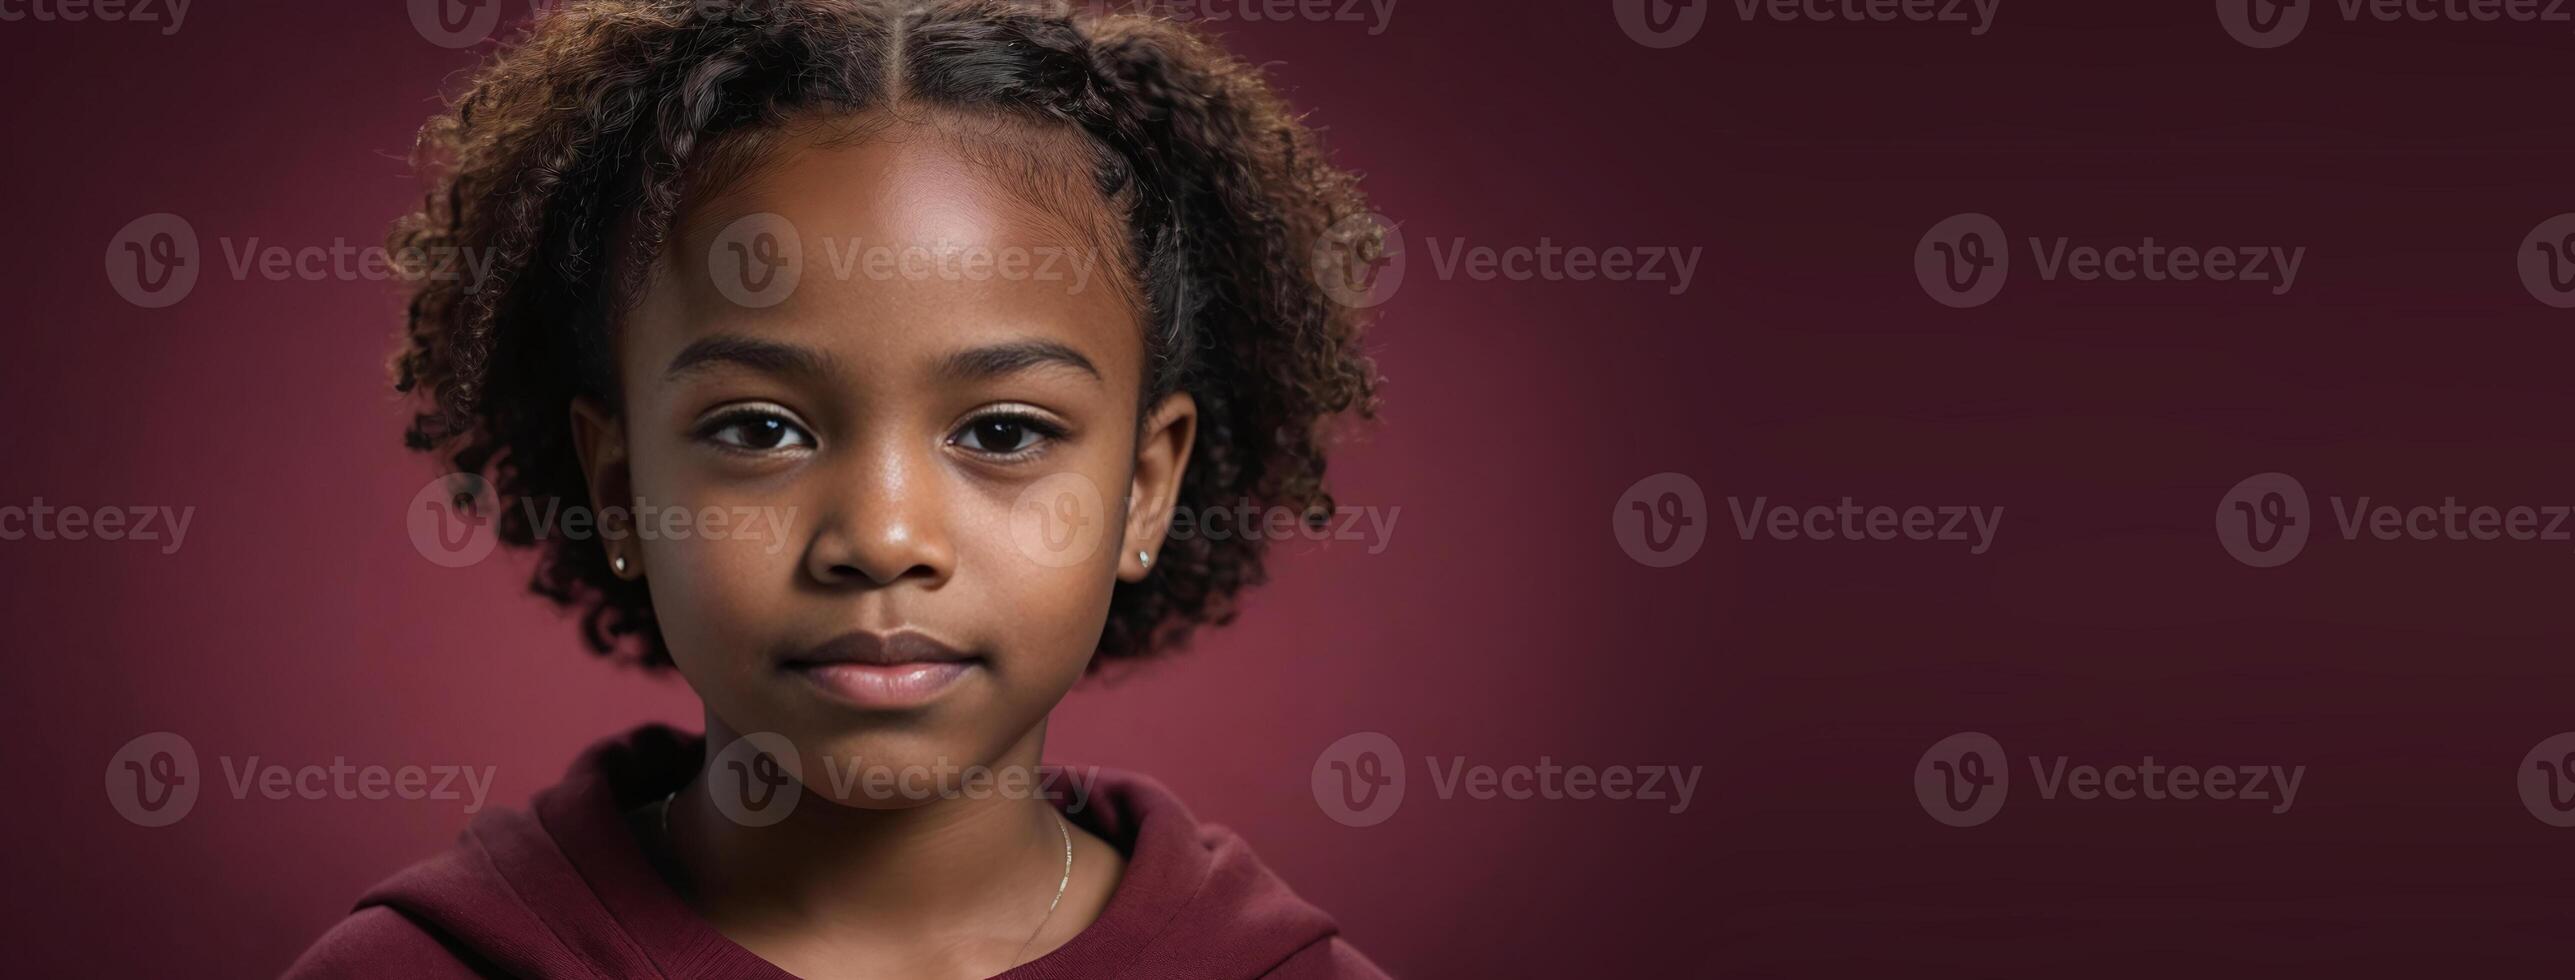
(1015, 958)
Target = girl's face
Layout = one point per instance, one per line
(907, 386)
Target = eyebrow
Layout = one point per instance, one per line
(971, 364)
(764, 356)
(996, 360)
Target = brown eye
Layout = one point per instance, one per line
(755, 431)
(1005, 435)
(999, 436)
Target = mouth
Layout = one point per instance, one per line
(892, 672)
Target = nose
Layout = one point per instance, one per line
(886, 522)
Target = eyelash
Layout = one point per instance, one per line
(712, 430)
(1043, 432)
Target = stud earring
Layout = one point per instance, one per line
(1144, 559)
(618, 564)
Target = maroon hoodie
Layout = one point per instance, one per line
(565, 890)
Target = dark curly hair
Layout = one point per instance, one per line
(568, 156)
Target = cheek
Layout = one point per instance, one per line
(1041, 572)
(707, 583)
(713, 582)
(1042, 563)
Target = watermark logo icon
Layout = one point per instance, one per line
(153, 781)
(1358, 780)
(1661, 23)
(1359, 260)
(450, 520)
(1962, 780)
(2547, 261)
(1059, 521)
(757, 260)
(756, 780)
(455, 23)
(2264, 521)
(1962, 261)
(153, 261)
(1661, 520)
(2547, 780)
(2263, 23)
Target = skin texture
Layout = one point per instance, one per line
(906, 508)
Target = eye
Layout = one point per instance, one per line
(1006, 435)
(755, 429)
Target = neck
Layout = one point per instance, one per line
(965, 869)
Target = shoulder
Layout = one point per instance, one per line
(1331, 959)
(379, 943)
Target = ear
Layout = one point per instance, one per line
(599, 439)
(1162, 456)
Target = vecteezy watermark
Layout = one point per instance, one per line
(1671, 23)
(455, 23)
(37, 520)
(465, 23)
(1059, 521)
(1661, 23)
(1359, 780)
(1546, 261)
(1374, 15)
(2547, 261)
(1360, 261)
(857, 779)
(154, 261)
(2546, 779)
(961, 262)
(1661, 520)
(1849, 521)
(2272, 23)
(759, 259)
(1250, 521)
(1963, 780)
(648, 521)
(2263, 23)
(344, 261)
(757, 781)
(154, 780)
(2265, 520)
(169, 14)
(1977, 15)
(1963, 260)
(450, 521)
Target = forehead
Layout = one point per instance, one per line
(895, 243)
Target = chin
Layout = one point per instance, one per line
(881, 764)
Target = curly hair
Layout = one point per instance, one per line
(570, 152)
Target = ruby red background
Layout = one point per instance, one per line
(1504, 622)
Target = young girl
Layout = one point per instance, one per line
(960, 302)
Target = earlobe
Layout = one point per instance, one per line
(599, 440)
(1162, 459)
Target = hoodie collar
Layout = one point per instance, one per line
(567, 889)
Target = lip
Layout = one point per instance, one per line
(901, 670)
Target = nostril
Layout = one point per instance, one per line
(844, 572)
